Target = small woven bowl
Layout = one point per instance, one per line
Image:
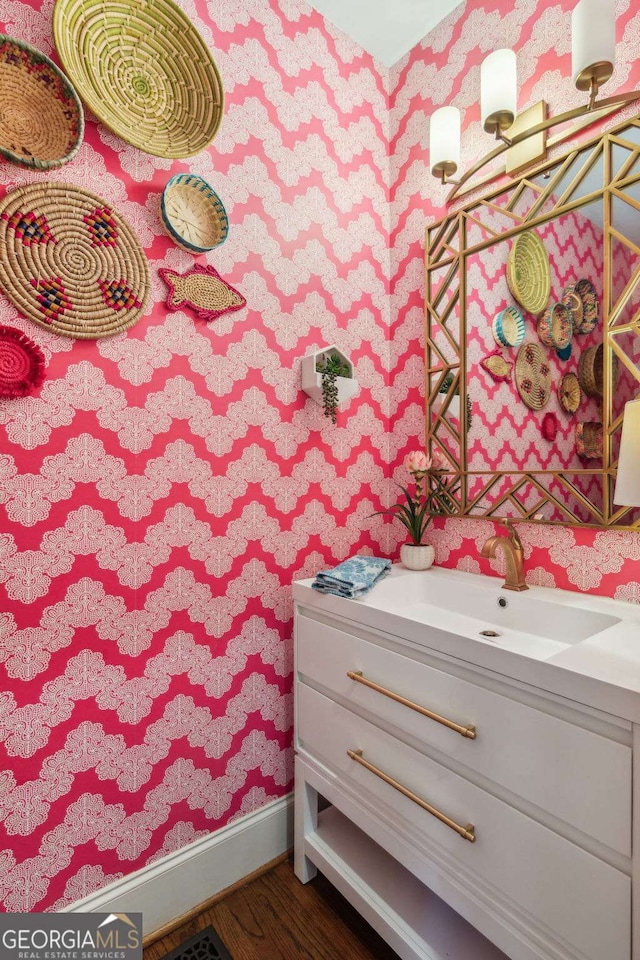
(555, 328)
(589, 440)
(508, 328)
(193, 214)
(41, 118)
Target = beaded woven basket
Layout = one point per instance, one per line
(144, 70)
(533, 375)
(41, 118)
(528, 272)
(69, 262)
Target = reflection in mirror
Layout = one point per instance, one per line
(567, 498)
(505, 433)
(577, 178)
(530, 425)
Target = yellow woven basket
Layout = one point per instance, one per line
(144, 70)
(528, 272)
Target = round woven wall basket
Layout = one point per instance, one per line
(193, 214)
(41, 118)
(590, 305)
(508, 328)
(533, 375)
(591, 371)
(144, 70)
(555, 327)
(569, 392)
(573, 302)
(528, 272)
(69, 262)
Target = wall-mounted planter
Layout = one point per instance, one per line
(312, 379)
(453, 410)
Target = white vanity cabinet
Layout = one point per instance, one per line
(471, 814)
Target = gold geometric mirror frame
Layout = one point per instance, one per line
(503, 459)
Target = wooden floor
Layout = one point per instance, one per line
(275, 917)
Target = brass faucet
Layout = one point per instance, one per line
(514, 555)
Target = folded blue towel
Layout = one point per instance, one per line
(353, 577)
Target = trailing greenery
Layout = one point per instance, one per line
(330, 369)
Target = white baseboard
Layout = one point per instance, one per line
(174, 885)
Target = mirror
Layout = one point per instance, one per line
(527, 408)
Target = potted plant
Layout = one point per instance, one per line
(418, 508)
(327, 377)
(330, 369)
(453, 410)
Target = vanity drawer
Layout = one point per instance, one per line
(515, 745)
(513, 859)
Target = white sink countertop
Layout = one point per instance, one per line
(583, 647)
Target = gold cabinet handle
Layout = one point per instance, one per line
(465, 731)
(468, 832)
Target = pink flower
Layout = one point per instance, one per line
(439, 461)
(417, 462)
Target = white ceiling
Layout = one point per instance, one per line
(385, 28)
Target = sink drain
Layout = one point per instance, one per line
(489, 633)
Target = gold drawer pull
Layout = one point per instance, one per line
(468, 832)
(468, 731)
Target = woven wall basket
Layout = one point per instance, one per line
(569, 392)
(590, 305)
(528, 272)
(69, 262)
(41, 118)
(533, 375)
(591, 371)
(193, 213)
(144, 70)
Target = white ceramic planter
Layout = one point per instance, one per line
(417, 556)
(311, 381)
(453, 410)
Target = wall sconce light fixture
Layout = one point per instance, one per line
(593, 30)
(498, 91)
(627, 490)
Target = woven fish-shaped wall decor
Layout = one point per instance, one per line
(203, 290)
(497, 367)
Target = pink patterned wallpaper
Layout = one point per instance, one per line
(445, 69)
(164, 487)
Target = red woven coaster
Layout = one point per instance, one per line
(22, 364)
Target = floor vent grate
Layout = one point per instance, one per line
(205, 945)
